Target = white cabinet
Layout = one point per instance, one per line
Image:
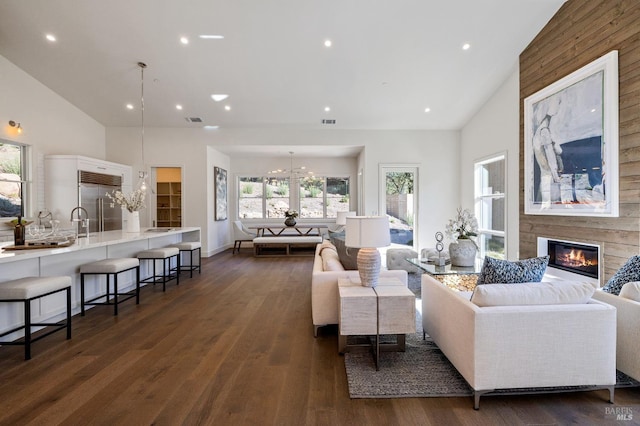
(61, 181)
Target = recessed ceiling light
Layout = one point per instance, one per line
(427, 109)
(327, 43)
(211, 36)
(179, 107)
(327, 109)
(219, 97)
(184, 40)
(593, 110)
(211, 127)
(227, 107)
(466, 46)
(50, 37)
(129, 106)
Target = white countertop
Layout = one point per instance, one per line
(97, 239)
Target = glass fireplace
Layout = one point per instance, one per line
(572, 257)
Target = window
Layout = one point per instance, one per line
(270, 197)
(14, 186)
(323, 197)
(490, 206)
(260, 197)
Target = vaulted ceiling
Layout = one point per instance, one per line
(388, 63)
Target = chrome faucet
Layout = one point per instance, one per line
(79, 222)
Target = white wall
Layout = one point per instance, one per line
(493, 130)
(51, 125)
(436, 153)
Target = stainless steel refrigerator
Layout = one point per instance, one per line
(92, 190)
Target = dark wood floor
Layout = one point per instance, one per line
(235, 346)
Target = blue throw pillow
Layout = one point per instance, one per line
(630, 271)
(496, 271)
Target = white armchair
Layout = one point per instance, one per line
(241, 233)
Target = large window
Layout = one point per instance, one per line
(322, 197)
(314, 197)
(490, 182)
(262, 198)
(13, 179)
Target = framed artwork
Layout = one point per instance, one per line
(220, 177)
(571, 143)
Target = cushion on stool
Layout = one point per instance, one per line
(187, 245)
(109, 266)
(30, 287)
(159, 253)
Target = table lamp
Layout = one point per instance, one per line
(341, 220)
(368, 233)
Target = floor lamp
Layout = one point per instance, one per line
(368, 233)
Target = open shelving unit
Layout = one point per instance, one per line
(169, 204)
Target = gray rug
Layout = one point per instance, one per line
(421, 371)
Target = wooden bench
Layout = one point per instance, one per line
(285, 245)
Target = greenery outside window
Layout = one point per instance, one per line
(14, 186)
(323, 197)
(490, 206)
(262, 197)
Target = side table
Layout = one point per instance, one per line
(388, 308)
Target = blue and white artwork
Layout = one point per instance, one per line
(571, 143)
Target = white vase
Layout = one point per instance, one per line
(133, 222)
(463, 252)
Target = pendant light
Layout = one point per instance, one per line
(142, 174)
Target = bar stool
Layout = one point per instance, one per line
(164, 254)
(31, 288)
(189, 247)
(110, 268)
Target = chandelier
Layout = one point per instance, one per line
(293, 172)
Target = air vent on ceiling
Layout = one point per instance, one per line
(328, 121)
(194, 119)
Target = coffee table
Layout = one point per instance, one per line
(387, 309)
(462, 278)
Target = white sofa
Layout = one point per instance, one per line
(628, 332)
(506, 347)
(324, 289)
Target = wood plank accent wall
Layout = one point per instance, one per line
(582, 31)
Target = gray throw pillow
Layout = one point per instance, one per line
(630, 271)
(348, 256)
(497, 271)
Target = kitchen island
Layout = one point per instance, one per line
(67, 261)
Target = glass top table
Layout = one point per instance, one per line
(461, 278)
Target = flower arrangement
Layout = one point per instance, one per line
(463, 226)
(132, 202)
(291, 213)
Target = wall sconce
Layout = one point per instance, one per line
(16, 125)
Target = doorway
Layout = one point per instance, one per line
(399, 201)
(168, 197)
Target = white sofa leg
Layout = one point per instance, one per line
(611, 392)
(315, 330)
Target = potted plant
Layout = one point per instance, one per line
(460, 229)
(290, 216)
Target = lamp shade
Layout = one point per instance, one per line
(367, 231)
(341, 218)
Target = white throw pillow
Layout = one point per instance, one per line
(631, 290)
(544, 293)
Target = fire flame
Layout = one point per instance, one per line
(576, 258)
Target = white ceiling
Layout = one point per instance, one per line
(390, 59)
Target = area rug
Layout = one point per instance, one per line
(423, 371)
